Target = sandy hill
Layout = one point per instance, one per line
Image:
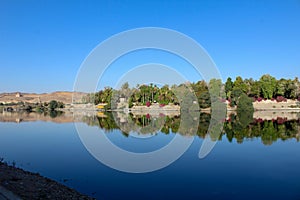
(65, 97)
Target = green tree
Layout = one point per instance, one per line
(255, 89)
(125, 90)
(199, 88)
(228, 87)
(215, 88)
(204, 100)
(281, 87)
(297, 85)
(145, 93)
(240, 84)
(249, 83)
(235, 95)
(245, 104)
(130, 102)
(53, 105)
(268, 86)
(245, 110)
(291, 89)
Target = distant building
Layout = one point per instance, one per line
(18, 94)
(122, 100)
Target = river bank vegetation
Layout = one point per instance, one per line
(236, 92)
(52, 108)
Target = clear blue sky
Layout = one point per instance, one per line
(43, 43)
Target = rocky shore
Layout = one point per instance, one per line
(26, 185)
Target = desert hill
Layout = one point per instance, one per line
(63, 96)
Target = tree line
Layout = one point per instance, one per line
(267, 87)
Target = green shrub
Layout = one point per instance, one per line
(54, 105)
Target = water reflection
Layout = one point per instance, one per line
(236, 127)
(269, 127)
(49, 148)
(268, 130)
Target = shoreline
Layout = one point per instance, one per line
(32, 186)
(73, 117)
(264, 105)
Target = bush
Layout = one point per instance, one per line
(259, 99)
(21, 103)
(60, 104)
(245, 104)
(281, 120)
(54, 105)
(28, 108)
(148, 104)
(281, 99)
(161, 105)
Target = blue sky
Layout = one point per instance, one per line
(43, 43)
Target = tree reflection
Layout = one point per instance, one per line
(269, 131)
(237, 128)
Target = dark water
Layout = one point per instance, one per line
(258, 159)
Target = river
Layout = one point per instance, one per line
(251, 159)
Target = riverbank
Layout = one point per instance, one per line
(32, 186)
(75, 112)
(155, 110)
(274, 105)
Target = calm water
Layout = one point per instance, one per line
(258, 160)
